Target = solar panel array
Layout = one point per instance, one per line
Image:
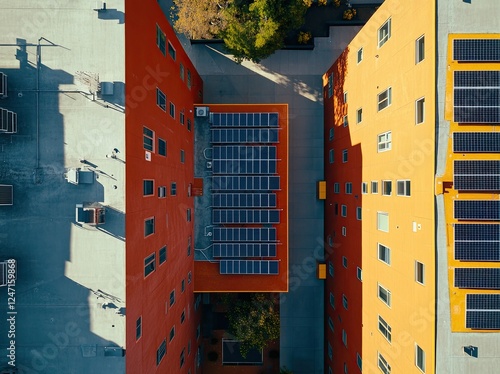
(477, 210)
(244, 234)
(248, 267)
(246, 216)
(244, 200)
(476, 175)
(244, 249)
(478, 278)
(477, 242)
(482, 311)
(476, 142)
(244, 119)
(233, 159)
(245, 183)
(476, 96)
(232, 135)
(476, 50)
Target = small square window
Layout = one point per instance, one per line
(148, 139)
(404, 188)
(344, 302)
(149, 226)
(162, 191)
(384, 33)
(419, 272)
(374, 187)
(358, 213)
(171, 50)
(345, 97)
(172, 298)
(344, 261)
(172, 334)
(360, 55)
(343, 211)
(336, 187)
(383, 221)
(384, 253)
(173, 189)
(161, 40)
(330, 155)
(420, 358)
(148, 187)
(384, 141)
(419, 111)
(172, 109)
(359, 115)
(345, 121)
(138, 328)
(344, 155)
(364, 187)
(149, 264)
(162, 147)
(419, 49)
(384, 99)
(359, 273)
(332, 134)
(162, 255)
(161, 99)
(386, 188)
(183, 156)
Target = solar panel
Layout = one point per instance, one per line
(244, 200)
(476, 50)
(477, 242)
(249, 267)
(477, 175)
(223, 216)
(239, 159)
(476, 96)
(477, 278)
(482, 311)
(477, 210)
(244, 234)
(244, 167)
(244, 249)
(245, 183)
(476, 142)
(244, 119)
(255, 136)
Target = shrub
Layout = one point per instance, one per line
(304, 37)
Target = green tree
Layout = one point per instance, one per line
(255, 321)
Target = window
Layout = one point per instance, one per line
(419, 272)
(198, 331)
(359, 115)
(172, 334)
(419, 111)
(181, 117)
(148, 138)
(332, 134)
(343, 211)
(330, 154)
(420, 49)
(345, 368)
(360, 55)
(183, 316)
(189, 247)
(332, 300)
(162, 147)
(172, 298)
(344, 231)
(384, 254)
(190, 275)
(147, 187)
(181, 70)
(404, 188)
(384, 99)
(161, 99)
(161, 39)
(359, 362)
(344, 337)
(344, 261)
(171, 50)
(189, 124)
(162, 191)
(181, 359)
(386, 188)
(374, 186)
(348, 188)
(384, 141)
(171, 109)
(149, 264)
(383, 221)
(358, 213)
(162, 254)
(330, 85)
(345, 121)
(330, 351)
(330, 268)
(336, 187)
(336, 209)
(344, 155)
(383, 365)
(384, 33)
(173, 189)
(138, 328)
(183, 156)
(384, 329)
(384, 294)
(359, 273)
(345, 97)
(188, 215)
(420, 358)
(189, 79)
(149, 226)
(344, 302)
(160, 352)
(364, 187)
(330, 323)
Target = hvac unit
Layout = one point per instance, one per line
(148, 156)
(201, 111)
(3, 85)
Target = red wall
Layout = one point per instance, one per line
(146, 69)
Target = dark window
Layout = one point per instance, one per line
(172, 297)
(173, 188)
(172, 334)
(160, 352)
(189, 124)
(161, 99)
(162, 147)
(138, 328)
(149, 226)
(183, 156)
(149, 264)
(172, 109)
(147, 187)
(163, 254)
(183, 285)
(148, 138)
(161, 39)
(183, 316)
(188, 215)
(182, 358)
(171, 50)
(181, 117)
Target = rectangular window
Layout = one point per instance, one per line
(162, 191)
(148, 138)
(404, 188)
(189, 79)
(181, 117)
(330, 324)
(383, 365)
(173, 189)
(181, 70)
(172, 298)
(384, 141)
(359, 273)
(360, 55)
(171, 50)
(189, 247)
(358, 213)
(419, 272)
(344, 155)
(374, 187)
(149, 264)
(359, 362)
(190, 275)
(344, 261)
(336, 187)
(420, 358)
(343, 211)
(419, 111)
(330, 268)
(364, 187)
(332, 134)
(160, 352)
(348, 188)
(161, 99)
(387, 188)
(344, 337)
(332, 300)
(189, 124)
(162, 254)
(149, 226)
(344, 231)
(384, 33)
(147, 187)
(383, 221)
(330, 155)
(345, 97)
(384, 294)
(384, 99)
(171, 109)
(188, 215)
(181, 359)
(183, 156)
(330, 351)
(345, 120)
(162, 147)
(172, 334)
(384, 254)
(385, 329)
(344, 302)
(419, 49)
(161, 40)
(359, 115)
(330, 85)
(183, 286)
(138, 328)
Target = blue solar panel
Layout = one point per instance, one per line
(244, 167)
(477, 278)
(482, 311)
(476, 50)
(244, 200)
(477, 210)
(223, 216)
(477, 175)
(244, 234)
(476, 142)
(483, 301)
(249, 267)
(254, 136)
(244, 119)
(244, 249)
(477, 242)
(245, 183)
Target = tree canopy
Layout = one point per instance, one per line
(251, 30)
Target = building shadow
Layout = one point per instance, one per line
(112, 14)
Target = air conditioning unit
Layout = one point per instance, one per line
(209, 164)
(201, 111)
(148, 156)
